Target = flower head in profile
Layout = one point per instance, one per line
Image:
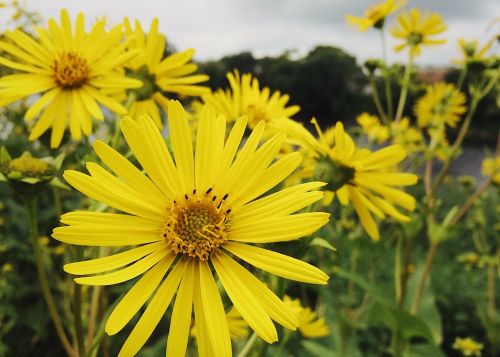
(442, 104)
(366, 179)
(27, 174)
(246, 97)
(71, 69)
(190, 216)
(491, 167)
(160, 74)
(467, 346)
(375, 15)
(417, 29)
(310, 325)
(373, 128)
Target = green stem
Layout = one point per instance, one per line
(397, 270)
(248, 346)
(57, 201)
(404, 88)
(77, 310)
(429, 259)
(376, 99)
(387, 77)
(31, 203)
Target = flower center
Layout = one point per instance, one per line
(27, 166)
(197, 226)
(333, 172)
(256, 114)
(70, 70)
(415, 38)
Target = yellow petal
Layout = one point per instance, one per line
(154, 312)
(111, 262)
(181, 315)
(244, 299)
(137, 296)
(278, 264)
(213, 312)
(278, 229)
(127, 273)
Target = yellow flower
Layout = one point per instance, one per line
(196, 211)
(247, 98)
(372, 127)
(365, 178)
(467, 346)
(416, 29)
(491, 167)
(71, 69)
(173, 73)
(310, 326)
(405, 135)
(472, 53)
(442, 104)
(375, 15)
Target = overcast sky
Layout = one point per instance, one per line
(269, 27)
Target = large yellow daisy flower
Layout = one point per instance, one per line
(441, 104)
(416, 29)
(375, 15)
(160, 73)
(364, 178)
(247, 98)
(69, 68)
(188, 217)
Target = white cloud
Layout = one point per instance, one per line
(219, 27)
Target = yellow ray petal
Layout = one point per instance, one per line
(278, 229)
(363, 214)
(154, 312)
(137, 296)
(129, 173)
(127, 273)
(244, 298)
(111, 262)
(213, 312)
(181, 314)
(182, 144)
(281, 203)
(278, 264)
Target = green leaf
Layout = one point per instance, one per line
(4, 156)
(321, 242)
(412, 326)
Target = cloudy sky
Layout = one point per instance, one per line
(269, 27)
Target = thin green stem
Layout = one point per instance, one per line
(31, 203)
(376, 99)
(429, 259)
(397, 270)
(404, 88)
(387, 77)
(283, 343)
(77, 310)
(248, 346)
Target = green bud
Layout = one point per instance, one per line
(333, 173)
